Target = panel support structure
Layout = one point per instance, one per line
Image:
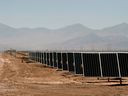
(100, 66)
(118, 64)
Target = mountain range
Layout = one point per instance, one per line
(76, 36)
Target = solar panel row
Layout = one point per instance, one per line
(99, 64)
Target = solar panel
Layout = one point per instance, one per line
(33, 55)
(91, 64)
(109, 65)
(59, 60)
(78, 63)
(64, 61)
(39, 57)
(106, 64)
(70, 62)
(51, 61)
(123, 63)
(48, 63)
(36, 57)
(44, 58)
(55, 60)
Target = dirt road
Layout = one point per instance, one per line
(33, 79)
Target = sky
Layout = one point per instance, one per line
(54, 14)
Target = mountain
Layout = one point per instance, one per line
(74, 30)
(120, 29)
(74, 36)
(115, 37)
(33, 37)
(6, 31)
(94, 41)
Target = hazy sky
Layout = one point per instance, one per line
(58, 13)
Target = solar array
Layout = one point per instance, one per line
(95, 64)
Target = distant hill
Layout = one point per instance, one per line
(115, 37)
(120, 29)
(74, 36)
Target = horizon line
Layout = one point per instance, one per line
(63, 26)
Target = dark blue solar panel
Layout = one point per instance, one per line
(71, 62)
(45, 58)
(59, 60)
(64, 61)
(91, 64)
(78, 63)
(123, 63)
(51, 61)
(109, 65)
(48, 59)
(42, 58)
(55, 59)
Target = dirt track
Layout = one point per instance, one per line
(32, 79)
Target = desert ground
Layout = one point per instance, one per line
(34, 79)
